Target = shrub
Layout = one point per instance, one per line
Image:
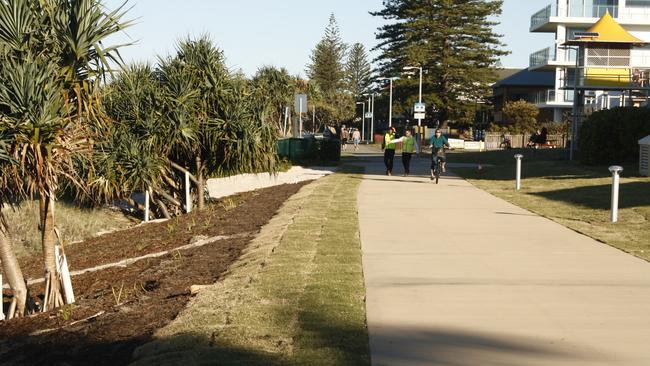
(521, 116)
(611, 136)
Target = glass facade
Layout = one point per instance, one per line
(638, 3)
(592, 8)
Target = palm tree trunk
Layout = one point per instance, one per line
(53, 297)
(14, 275)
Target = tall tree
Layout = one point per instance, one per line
(327, 72)
(327, 68)
(358, 71)
(453, 40)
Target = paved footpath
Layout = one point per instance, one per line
(455, 276)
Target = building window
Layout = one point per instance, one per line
(608, 57)
(593, 8)
(638, 3)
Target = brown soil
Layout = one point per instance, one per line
(138, 299)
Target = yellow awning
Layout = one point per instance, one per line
(609, 31)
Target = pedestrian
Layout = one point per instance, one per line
(345, 136)
(389, 150)
(356, 138)
(409, 146)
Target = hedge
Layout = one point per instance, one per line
(611, 136)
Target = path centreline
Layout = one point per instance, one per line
(456, 276)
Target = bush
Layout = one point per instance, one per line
(611, 136)
(521, 116)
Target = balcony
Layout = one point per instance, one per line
(547, 19)
(542, 18)
(551, 57)
(607, 79)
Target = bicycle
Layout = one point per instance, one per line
(437, 169)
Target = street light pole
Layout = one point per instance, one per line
(363, 120)
(420, 92)
(390, 100)
(372, 119)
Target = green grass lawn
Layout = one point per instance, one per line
(296, 297)
(571, 194)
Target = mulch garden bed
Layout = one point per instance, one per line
(138, 299)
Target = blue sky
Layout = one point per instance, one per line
(254, 33)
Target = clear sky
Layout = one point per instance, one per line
(254, 33)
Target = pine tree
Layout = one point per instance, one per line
(453, 40)
(327, 72)
(327, 68)
(358, 71)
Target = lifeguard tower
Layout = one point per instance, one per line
(603, 76)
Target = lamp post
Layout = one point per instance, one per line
(371, 110)
(420, 94)
(390, 100)
(363, 118)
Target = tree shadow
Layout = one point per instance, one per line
(423, 346)
(632, 194)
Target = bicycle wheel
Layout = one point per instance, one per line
(437, 171)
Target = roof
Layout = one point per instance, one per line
(609, 31)
(506, 72)
(526, 77)
(645, 141)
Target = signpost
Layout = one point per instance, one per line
(300, 105)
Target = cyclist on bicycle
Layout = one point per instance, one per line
(438, 143)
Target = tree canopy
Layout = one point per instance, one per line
(453, 40)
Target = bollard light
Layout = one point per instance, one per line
(518, 182)
(616, 179)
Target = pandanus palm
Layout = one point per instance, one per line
(8, 259)
(53, 60)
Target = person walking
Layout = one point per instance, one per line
(356, 138)
(389, 150)
(409, 147)
(345, 136)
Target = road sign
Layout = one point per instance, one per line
(419, 115)
(301, 103)
(419, 108)
(368, 114)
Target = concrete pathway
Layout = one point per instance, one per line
(455, 276)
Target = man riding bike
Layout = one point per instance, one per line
(438, 142)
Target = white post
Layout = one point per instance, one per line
(286, 118)
(2, 314)
(363, 121)
(390, 105)
(146, 206)
(420, 119)
(616, 178)
(300, 116)
(518, 182)
(372, 120)
(188, 197)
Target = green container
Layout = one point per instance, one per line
(283, 148)
(309, 150)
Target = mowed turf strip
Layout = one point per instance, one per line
(296, 296)
(574, 195)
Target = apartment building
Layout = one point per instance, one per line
(566, 18)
